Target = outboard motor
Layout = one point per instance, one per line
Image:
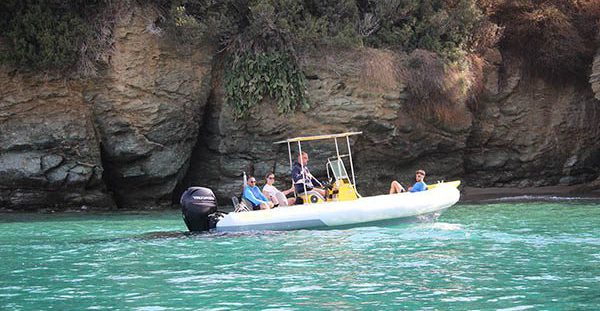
(198, 205)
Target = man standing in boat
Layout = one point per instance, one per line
(419, 185)
(302, 177)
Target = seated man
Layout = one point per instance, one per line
(420, 185)
(252, 193)
(303, 178)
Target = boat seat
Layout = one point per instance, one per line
(242, 206)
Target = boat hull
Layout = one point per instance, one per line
(343, 214)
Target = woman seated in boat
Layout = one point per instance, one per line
(303, 179)
(255, 197)
(419, 185)
(276, 196)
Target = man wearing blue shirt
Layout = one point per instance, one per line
(253, 194)
(420, 185)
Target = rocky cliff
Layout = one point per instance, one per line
(124, 137)
(530, 132)
(394, 144)
(148, 106)
(49, 150)
(525, 131)
(595, 76)
(155, 121)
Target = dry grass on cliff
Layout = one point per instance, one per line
(556, 37)
(440, 91)
(378, 70)
(476, 65)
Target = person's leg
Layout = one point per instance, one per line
(281, 199)
(275, 199)
(322, 192)
(396, 187)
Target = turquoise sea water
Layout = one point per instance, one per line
(507, 256)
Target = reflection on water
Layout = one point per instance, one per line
(489, 256)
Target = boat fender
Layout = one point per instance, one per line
(197, 204)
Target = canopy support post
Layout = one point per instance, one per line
(291, 165)
(302, 166)
(351, 163)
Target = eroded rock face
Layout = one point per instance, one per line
(49, 152)
(532, 133)
(595, 76)
(148, 106)
(394, 144)
(129, 134)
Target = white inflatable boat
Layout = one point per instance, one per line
(341, 206)
(345, 213)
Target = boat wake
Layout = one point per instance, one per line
(447, 226)
(543, 198)
(428, 217)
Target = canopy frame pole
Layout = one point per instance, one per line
(303, 172)
(351, 165)
(337, 151)
(291, 165)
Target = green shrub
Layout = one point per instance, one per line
(444, 27)
(42, 35)
(40, 39)
(299, 23)
(253, 76)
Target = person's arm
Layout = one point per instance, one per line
(288, 191)
(266, 194)
(262, 197)
(312, 179)
(315, 181)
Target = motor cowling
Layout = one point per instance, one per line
(197, 206)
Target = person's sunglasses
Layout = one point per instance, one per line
(271, 178)
(252, 181)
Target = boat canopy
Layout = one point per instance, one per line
(316, 137)
(335, 163)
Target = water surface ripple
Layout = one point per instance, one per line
(515, 256)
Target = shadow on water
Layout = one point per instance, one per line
(176, 235)
(65, 216)
(200, 235)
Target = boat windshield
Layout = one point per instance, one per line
(338, 169)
